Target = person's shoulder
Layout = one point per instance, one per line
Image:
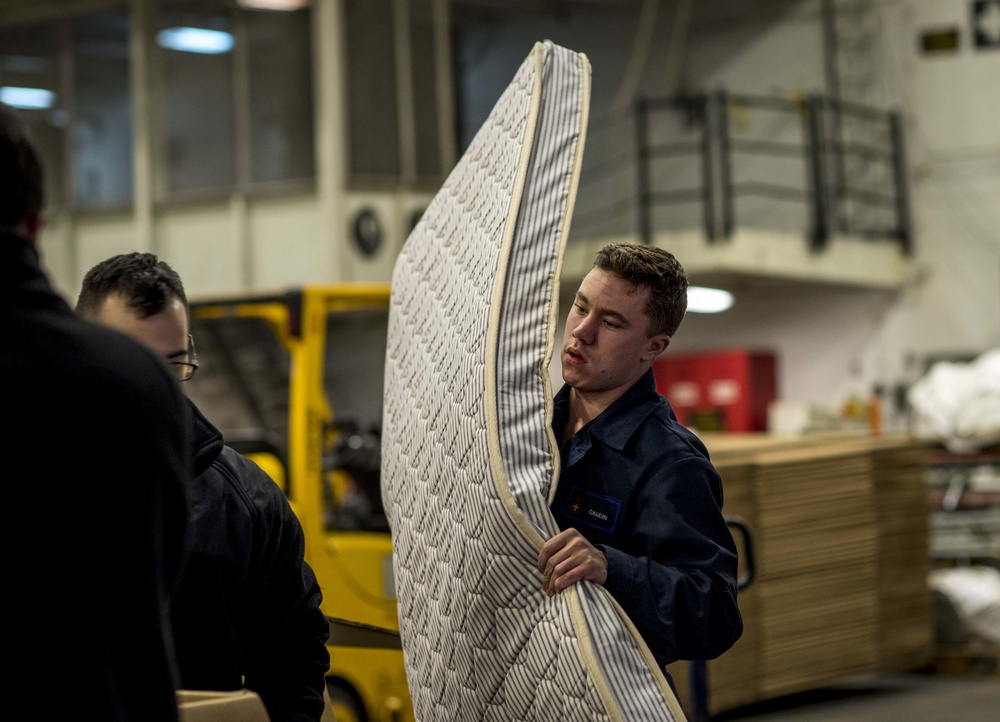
(262, 500)
(252, 483)
(107, 403)
(662, 430)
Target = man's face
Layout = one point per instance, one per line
(165, 332)
(605, 347)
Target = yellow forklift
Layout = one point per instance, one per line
(294, 381)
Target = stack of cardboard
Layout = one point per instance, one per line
(740, 667)
(817, 561)
(905, 604)
(840, 535)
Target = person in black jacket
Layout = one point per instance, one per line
(638, 500)
(95, 451)
(248, 609)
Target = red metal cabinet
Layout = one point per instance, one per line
(727, 390)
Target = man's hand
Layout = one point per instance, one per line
(567, 558)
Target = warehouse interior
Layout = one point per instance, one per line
(831, 168)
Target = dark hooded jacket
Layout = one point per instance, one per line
(248, 604)
(95, 450)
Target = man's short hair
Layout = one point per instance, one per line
(146, 283)
(22, 182)
(658, 271)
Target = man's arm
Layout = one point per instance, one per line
(677, 582)
(288, 660)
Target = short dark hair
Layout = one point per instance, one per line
(22, 182)
(147, 283)
(658, 271)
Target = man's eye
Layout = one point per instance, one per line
(579, 308)
(611, 324)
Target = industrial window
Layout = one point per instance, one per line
(102, 110)
(281, 96)
(425, 96)
(392, 80)
(237, 95)
(69, 79)
(31, 82)
(371, 88)
(199, 122)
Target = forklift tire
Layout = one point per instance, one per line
(347, 706)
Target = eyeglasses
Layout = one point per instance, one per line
(185, 369)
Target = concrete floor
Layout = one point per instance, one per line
(888, 698)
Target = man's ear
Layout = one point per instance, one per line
(655, 346)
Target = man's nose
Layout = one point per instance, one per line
(584, 330)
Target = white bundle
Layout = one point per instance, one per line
(975, 593)
(958, 405)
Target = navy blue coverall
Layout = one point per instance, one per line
(640, 487)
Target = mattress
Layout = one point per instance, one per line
(469, 462)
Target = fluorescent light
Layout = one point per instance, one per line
(27, 98)
(196, 40)
(274, 4)
(708, 300)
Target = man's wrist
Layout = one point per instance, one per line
(618, 565)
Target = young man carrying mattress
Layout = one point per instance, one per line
(638, 501)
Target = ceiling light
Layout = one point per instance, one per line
(274, 4)
(27, 98)
(708, 300)
(195, 40)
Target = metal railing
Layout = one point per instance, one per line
(829, 168)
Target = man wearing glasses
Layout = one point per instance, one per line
(246, 612)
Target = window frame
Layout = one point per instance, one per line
(243, 184)
(408, 177)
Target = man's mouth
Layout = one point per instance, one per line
(574, 358)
